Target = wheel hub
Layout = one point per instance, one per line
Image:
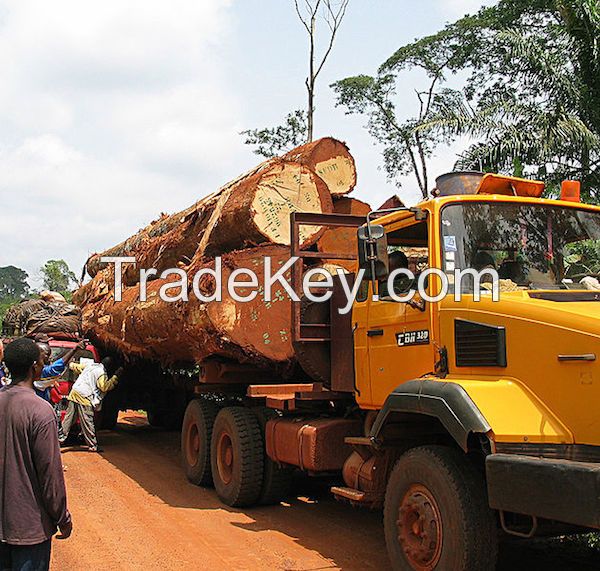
(225, 457)
(193, 445)
(420, 528)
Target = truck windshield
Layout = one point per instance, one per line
(530, 246)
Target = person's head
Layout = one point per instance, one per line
(109, 365)
(46, 352)
(23, 359)
(397, 260)
(483, 261)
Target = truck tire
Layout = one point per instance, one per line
(109, 413)
(436, 513)
(277, 479)
(155, 418)
(196, 434)
(173, 416)
(108, 418)
(237, 457)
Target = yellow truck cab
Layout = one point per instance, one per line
(460, 392)
(487, 409)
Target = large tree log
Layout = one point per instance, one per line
(331, 160)
(252, 210)
(256, 331)
(343, 240)
(173, 239)
(257, 209)
(195, 214)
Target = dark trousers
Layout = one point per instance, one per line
(61, 436)
(86, 421)
(25, 557)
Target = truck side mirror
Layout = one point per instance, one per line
(372, 252)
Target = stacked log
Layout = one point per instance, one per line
(256, 331)
(244, 222)
(343, 240)
(331, 160)
(51, 316)
(302, 180)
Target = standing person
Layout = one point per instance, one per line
(88, 391)
(52, 371)
(3, 375)
(33, 498)
(50, 375)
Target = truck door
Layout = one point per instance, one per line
(399, 334)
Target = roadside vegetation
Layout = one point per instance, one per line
(54, 275)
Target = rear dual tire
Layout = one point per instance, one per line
(226, 448)
(237, 457)
(196, 435)
(277, 479)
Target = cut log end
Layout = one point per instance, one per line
(286, 190)
(331, 160)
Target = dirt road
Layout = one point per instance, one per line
(134, 510)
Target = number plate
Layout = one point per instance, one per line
(420, 337)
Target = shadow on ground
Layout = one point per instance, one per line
(351, 538)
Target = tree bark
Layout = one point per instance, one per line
(255, 332)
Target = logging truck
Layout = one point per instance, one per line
(462, 419)
(465, 416)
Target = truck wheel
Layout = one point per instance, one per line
(237, 456)
(173, 416)
(277, 480)
(154, 418)
(196, 435)
(436, 514)
(108, 418)
(109, 413)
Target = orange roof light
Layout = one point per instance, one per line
(510, 185)
(570, 190)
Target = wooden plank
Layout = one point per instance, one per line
(282, 402)
(283, 389)
(320, 395)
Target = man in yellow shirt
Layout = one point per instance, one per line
(87, 393)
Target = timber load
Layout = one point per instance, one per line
(244, 222)
(48, 316)
(261, 200)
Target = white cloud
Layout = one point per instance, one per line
(110, 112)
(458, 8)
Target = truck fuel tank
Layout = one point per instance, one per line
(314, 445)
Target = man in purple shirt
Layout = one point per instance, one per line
(33, 498)
(2, 372)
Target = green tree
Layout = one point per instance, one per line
(57, 276)
(13, 284)
(273, 141)
(531, 100)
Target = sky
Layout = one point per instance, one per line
(113, 112)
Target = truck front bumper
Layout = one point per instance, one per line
(560, 490)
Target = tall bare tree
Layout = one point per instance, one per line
(298, 126)
(332, 13)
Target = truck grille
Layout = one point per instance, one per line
(479, 344)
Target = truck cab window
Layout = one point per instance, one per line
(407, 248)
(530, 246)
